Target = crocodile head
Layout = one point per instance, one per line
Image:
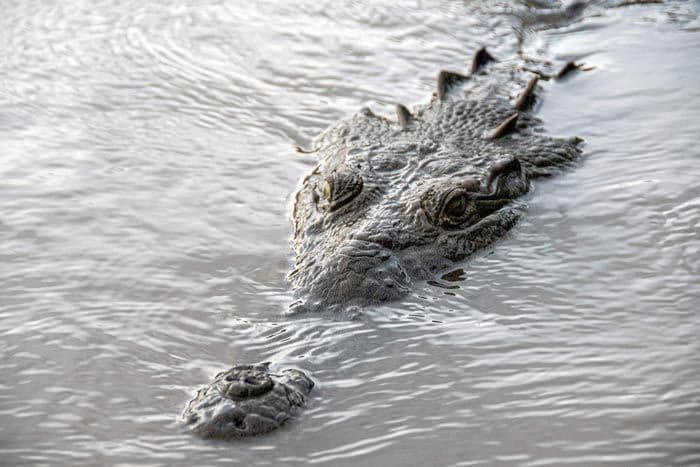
(392, 202)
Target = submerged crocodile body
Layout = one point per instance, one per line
(391, 202)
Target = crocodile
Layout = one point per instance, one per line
(392, 202)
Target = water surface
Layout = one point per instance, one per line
(145, 187)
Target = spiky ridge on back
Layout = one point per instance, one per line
(463, 113)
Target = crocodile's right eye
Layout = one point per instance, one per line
(452, 207)
(338, 189)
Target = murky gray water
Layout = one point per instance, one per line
(145, 184)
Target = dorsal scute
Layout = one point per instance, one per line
(504, 128)
(447, 79)
(403, 115)
(481, 58)
(527, 97)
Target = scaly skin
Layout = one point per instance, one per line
(246, 400)
(368, 218)
(391, 203)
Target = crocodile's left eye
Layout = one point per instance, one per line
(456, 206)
(326, 190)
(338, 189)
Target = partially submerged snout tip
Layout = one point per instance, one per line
(247, 400)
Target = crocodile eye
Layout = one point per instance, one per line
(326, 190)
(451, 207)
(456, 208)
(338, 189)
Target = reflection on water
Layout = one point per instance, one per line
(144, 196)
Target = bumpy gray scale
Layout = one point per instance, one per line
(246, 400)
(391, 202)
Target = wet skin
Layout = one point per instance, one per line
(392, 202)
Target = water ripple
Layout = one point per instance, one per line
(145, 190)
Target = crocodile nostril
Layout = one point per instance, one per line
(252, 381)
(237, 419)
(245, 384)
(240, 423)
